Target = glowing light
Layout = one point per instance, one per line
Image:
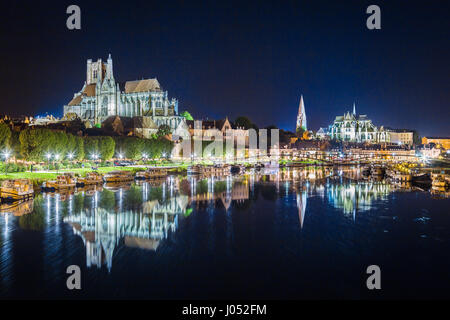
(70, 155)
(6, 154)
(48, 155)
(56, 156)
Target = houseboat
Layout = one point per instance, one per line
(19, 189)
(398, 176)
(151, 173)
(215, 170)
(92, 178)
(62, 182)
(438, 181)
(119, 176)
(194, 170)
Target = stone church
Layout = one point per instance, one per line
(102, 97)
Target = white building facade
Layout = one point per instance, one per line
(102, 97)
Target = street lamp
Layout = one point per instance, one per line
(48, 155)
(6, 154)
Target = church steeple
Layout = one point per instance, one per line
(354, 109)
(301, 116)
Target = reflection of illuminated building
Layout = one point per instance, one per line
(238, 191)
(307, 173)
(354, 197)
(301, 205)
(101, 230)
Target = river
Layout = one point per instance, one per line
(292, 234)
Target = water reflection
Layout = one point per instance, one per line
(128, 215)
(146, 214)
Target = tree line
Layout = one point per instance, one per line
(39, 144)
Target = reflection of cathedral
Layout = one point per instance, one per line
(356, 196)
(102, 97)
(101, 230)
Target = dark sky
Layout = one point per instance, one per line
(240, 58)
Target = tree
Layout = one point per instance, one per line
(243, 122)
(103, 146)
(163, 130)
(61, 143)
(36, 143)
(90, 147)
(79, 148)
(5, 136)
(416, 138)
(306, 135)
(107, 147)
(300, 132)
(14, 143)
(186, 115)
(134, 147)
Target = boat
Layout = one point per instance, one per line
(438, 181)
(377, 171)
(119, 176)
(421, 177)
(214, 170)
(398, 176)
(194, 170)
(366, 170)
(237, 169)
(273, 164)
(62, 182)
(18, 189)
(91, 178)
(151, 173)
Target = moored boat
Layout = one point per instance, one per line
(398, 175)
(376, 171)
(438, 181)
(91, 178)
(194, 170)
(214, 170)
(118, 176)
(19, 189)
(151, 173)
(62, 182)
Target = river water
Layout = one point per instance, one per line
(293, 234)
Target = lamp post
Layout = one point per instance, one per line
(144, 157)
(48, 155)
(6, 154)
(56, 164)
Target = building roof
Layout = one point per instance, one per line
(142, 85)
(441, 138)
(89, 91)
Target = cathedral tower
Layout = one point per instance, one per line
(301, 117)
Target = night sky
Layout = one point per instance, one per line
(226, 58)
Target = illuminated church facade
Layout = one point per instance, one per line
(102, 97)
(352, 127)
